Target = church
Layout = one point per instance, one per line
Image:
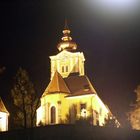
(70, 95)
(3, 117)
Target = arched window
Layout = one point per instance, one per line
(53, 114)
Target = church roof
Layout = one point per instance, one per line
(75, 85)
(57, 84)
(81, 93)
(79, 85)
(2, 107)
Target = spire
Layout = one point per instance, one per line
(66, 32)
(66, 27)
(66, 43)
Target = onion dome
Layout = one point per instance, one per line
(66, 43)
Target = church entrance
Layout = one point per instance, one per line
(53, 115)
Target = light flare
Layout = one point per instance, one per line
(115, 7)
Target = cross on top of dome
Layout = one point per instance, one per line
(66, 43)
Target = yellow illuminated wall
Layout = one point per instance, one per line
(93, 107)
(67, 62)
(3, 121)
(56, 100)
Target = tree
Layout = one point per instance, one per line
(134, 114)
(112, 122)
(24, 99)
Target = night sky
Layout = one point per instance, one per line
(31, 29)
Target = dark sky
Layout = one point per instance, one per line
(31, 29)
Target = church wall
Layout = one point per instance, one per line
(74, 62)
(3, 121)
(38, 116)
(94, 106)
(78, 102)
(99, 106)
(56, 100)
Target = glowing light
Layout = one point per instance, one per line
(84, 113)
(116, 7)
(121, 4)
(3, 121)
(39, 115)
(102, 104)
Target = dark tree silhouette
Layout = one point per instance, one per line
(111, 122)
(24, 100)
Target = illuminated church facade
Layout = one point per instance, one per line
(70, 95)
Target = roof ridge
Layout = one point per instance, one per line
(57, 84)
(2, 107)
(91, 84)
(63, 82)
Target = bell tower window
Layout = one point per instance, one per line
(66, 68)
(63, 69)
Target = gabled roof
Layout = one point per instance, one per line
(57, 84)
(79, 85)
(75, 85)
(2, 107)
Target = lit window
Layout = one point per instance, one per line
(62, 68)
(66, 68)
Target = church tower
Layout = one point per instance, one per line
(67, 61)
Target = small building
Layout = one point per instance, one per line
(70, 96)
(3, 117)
